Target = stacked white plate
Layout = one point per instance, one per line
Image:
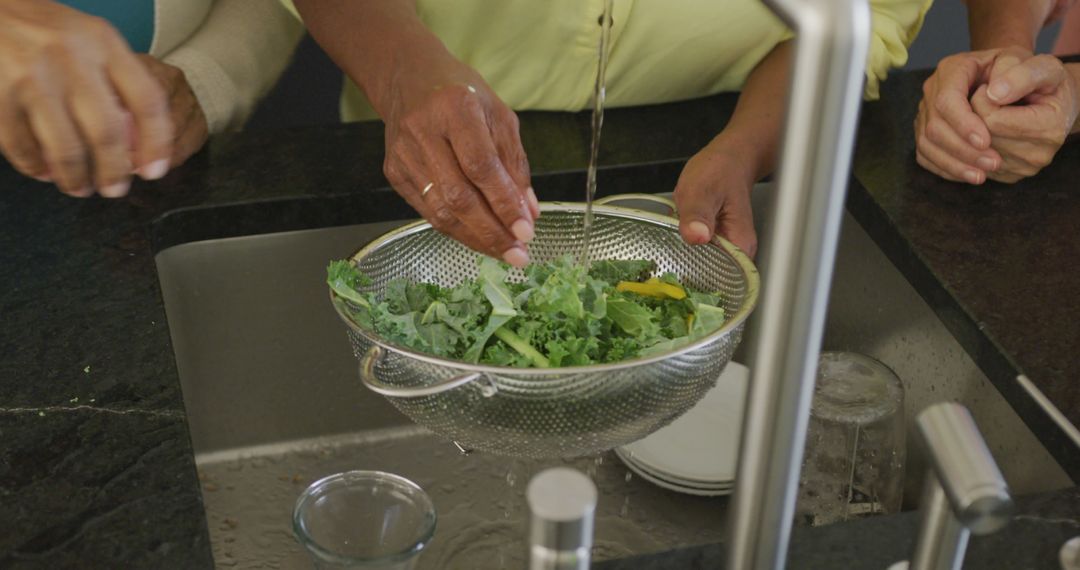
(698, 452)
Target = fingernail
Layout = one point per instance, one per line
(532, 199)
(971, 176)
(523, 230)
(42, 178)
(85, 192)
(516, 256)
(699, 230)
(154, 170)
(976, 140)
(116, 190)
(998, 90)
(986, 163)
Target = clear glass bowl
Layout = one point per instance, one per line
(364, 519)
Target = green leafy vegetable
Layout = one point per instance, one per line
(615, 270)
(559, 315)
(344, 278)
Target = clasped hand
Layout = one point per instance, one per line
(996, 114)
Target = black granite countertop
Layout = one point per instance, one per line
(1031, 541)
(96, 468)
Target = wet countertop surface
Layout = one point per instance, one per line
(96, 468)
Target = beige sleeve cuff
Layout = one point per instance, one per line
(235, 57)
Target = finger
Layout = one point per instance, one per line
(1039, 74)
(534, 202)
(1034, 122)
(454, 196)
(409, 173)
(474, 151)
(954, 108)
(507, 137)
(193, 135)
(1025, 158)
(18, 144)
(100, 120)
(144, 98)
(938, 133)
(451, 226)
(1005, 62)
(933, 158)
(948, 97)
(1005, 177)
(507, 206)
(478, 228)
(62, 147)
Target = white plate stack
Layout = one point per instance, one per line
(698, 452)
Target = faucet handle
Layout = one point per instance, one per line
(562, 503)
(964, 493)
(975, 487)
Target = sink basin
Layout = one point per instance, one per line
(274, 402)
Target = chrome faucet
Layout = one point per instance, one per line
(562, 504)
(965, 492)
(831, 45)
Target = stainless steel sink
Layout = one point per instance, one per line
(273, 402)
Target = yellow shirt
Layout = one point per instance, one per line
(543, 54)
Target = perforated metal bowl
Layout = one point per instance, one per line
(560, 412)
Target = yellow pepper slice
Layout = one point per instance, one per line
(652, 288)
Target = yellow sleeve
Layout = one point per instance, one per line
(288, 4)
(894, 25)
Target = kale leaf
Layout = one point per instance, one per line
(559, 315)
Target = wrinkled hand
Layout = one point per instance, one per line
(1029, 108)
(447, 132)
(713, 196)
(951, 140)
(76, 106)
(190, 129)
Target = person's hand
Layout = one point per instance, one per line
(454, 153)
(951, 140)
(76, 106)
(190, 129)
(713, 196)
(1029, 108)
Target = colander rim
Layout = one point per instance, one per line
(749, 270)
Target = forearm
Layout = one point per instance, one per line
(372, 41)
(753, 133)
(1006, 23)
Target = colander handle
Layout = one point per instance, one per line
(668, 202)
(368, 377)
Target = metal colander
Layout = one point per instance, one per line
(561, 412)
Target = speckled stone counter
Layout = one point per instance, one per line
(96, 468)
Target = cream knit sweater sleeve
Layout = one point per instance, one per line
(235, 57)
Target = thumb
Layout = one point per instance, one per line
(736, 221)
(1005, 62)
(981, 103)
(698, 205)
(1039, 74)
